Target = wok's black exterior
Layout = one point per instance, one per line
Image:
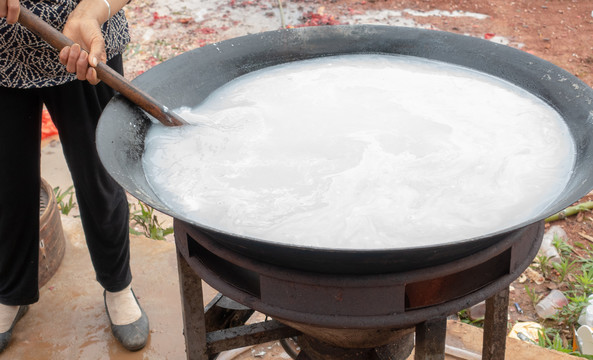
(189, 78)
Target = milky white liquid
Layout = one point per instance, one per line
(362, 152)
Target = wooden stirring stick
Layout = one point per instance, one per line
(104, 72)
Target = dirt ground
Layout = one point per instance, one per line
(560, 31)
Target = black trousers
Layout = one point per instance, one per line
(75, 108)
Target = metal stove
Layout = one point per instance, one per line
(344, 316)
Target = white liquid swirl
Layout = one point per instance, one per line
(362, 152)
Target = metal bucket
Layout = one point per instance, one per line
(52, 244)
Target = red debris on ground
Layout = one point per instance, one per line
(245, 3)
(156, 17)
(186, 21)
(201, 42)
(316, 19)
(352, 11)
(207, 30)
(152, 61)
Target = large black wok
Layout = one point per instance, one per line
(189, 78)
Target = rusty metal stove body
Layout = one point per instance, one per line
(339, 316)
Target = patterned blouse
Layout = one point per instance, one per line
(26, 61)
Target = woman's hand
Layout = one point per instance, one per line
(10, 9)
(80, 61)
(84, 28)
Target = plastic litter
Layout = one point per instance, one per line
(547, 248)
(585, 340)
(526, 331)
(586, 317)
(550, 305)
(518, 307)
(477, 311)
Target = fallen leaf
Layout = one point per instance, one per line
(534, 276)
(588, 237)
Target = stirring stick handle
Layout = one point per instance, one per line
(104, 72)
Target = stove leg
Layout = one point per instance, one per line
(192, 306)
(430, 339)
(495, 326)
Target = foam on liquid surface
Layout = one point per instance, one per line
(362, 152)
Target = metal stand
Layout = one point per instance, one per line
(218, 326)
(495, 326)
(342, 316)
(430, 339)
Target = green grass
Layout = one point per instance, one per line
(148, 222)
(65, 206)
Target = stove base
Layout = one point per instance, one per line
(314, 349)
(215, 328)
(345, 316)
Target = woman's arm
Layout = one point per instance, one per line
(84, 28)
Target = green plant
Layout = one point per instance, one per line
(544, 265)
(149, 223)
(569, 314)
(584, 281)
(587, 260)
(580, 245)
(533, 296)
(464, 318)
(564, 268)
(564, 248)
(64, 206)
(550, 338)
